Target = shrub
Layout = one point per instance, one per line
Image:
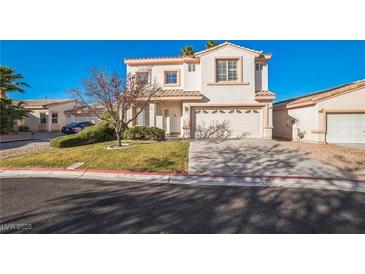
(215, 131)
(23, 129)
(157, 134)
(90, 135)
(145, 133)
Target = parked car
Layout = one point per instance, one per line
(76, 127)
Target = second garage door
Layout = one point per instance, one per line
(346, 128)
(242, 122)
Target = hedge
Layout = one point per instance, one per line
(90, 135)
(145, 133)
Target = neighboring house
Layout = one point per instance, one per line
(224, 83)
(82, 114)
(335, 115)
(51, 114)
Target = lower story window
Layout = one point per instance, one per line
(54, 118)
(43, 118)
(140, 120)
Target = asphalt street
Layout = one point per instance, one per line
(94, 206)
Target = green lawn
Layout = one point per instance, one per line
(168, 156)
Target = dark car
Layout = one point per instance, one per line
(75, 127)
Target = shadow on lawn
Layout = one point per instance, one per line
(107, 207)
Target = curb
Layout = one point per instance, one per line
(143, 173)
(188, 179)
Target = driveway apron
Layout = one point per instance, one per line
(255, 157)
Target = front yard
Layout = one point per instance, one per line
(168, 156)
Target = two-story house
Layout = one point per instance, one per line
(224, 83)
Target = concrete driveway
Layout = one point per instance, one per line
(354, 146)
(255, 157)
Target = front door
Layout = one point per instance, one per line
(175, 120)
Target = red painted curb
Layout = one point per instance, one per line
(184, 174)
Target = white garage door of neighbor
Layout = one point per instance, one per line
(242, 122)
(346, 128)
(79, 119)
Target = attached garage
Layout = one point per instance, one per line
(345, 128)
(336, 115)
(242, 122)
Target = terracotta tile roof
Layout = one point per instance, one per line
(177, 92)
(153, 58)
(323, 94)
(264, 93)
(45, 102)
(196, 55)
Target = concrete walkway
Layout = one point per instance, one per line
(255, 157)
(217, 180)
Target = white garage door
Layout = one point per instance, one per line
(77, 119)
(241, 122)
(345, 128)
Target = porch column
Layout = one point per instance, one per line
(268, 126)
(152, 114)
(49, 121)
(269, 106)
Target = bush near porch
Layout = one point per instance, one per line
(145, 133)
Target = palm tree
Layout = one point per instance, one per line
(9, 81)
(211, 44)
(187, 51)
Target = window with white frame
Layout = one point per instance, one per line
(191, 67)
(54, 118)
(227, 70)
(141, 117)
(170, 77)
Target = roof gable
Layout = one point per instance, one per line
(230, 45)
(315, 97)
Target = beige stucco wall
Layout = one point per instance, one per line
(311, 118)
(228, 93)
(203, 80)
(62, 118)
(351, 100)
(33, 121)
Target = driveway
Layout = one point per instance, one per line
(29, 144)
(255, 157)
(95, 206)
(354, 146)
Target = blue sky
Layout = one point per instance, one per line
(296, 68)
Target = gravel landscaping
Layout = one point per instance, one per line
(344, 158)
(25, 149)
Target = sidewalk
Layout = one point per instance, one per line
(196, 179)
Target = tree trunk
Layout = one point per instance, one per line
(119, 140)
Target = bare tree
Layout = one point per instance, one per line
(103, 90)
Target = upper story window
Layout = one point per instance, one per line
(227, 70)
(143, 76)
(171, 78)
(191, 67)
(259, 67)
